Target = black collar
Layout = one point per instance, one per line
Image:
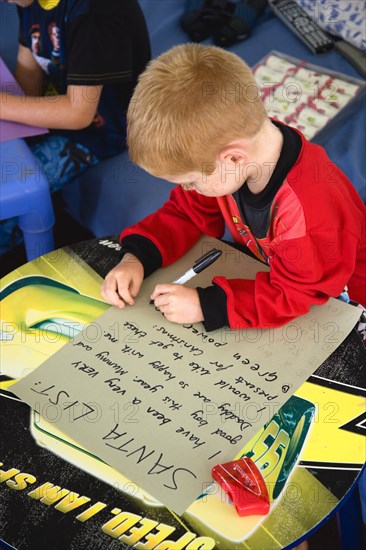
(290, 151)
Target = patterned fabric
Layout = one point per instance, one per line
(344, 18)
(61, 160)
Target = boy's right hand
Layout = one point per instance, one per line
(123, 282)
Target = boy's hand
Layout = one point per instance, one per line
(123, 282)
(178, 303)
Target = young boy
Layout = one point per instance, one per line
(78, 63)
(196, 119)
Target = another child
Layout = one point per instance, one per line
(196, 119)
(78, 64)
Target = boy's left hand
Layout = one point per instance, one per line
(179, 304)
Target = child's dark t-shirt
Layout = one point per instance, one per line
(90, 42)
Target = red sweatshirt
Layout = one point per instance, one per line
(315, 244)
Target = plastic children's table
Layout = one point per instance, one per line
(87, 504)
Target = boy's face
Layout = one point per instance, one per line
(226, 178)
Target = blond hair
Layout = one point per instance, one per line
(190, 103)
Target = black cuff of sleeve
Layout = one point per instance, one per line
(214, 307)
(144, 250)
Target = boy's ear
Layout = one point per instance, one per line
(235, 153)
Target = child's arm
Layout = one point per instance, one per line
(274, 298)
(304, 272)
(178, 224)
(161, 239)
(123, 282)
(72, 111)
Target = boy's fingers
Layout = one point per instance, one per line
(161, 289)
(135, 288)
(162, 301)
(122, 284)
(116, 293)
(125, 294)
(110, 293)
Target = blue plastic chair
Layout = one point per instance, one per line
(25, 193)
